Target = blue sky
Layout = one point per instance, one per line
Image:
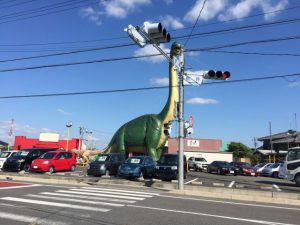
(228, 111)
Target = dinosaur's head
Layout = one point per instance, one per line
(176, 49)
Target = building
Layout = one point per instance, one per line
(210, 149)
(46, 140)
(3, 145)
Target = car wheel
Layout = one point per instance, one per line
(51, 169)
(26, 167)
(219, 172)
(297, 180)
(73, 168)
(275, 175)
(195, 168)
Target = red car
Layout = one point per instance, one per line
(245, 168)
(54, 161)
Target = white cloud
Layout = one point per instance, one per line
(211, 9)
(121, 8)
(171, 22)
(244, 8)
(160, 81)
(202, 101)
(148, 50)
(169, 2)
(63, 112)
(92, 14)
(294, 84)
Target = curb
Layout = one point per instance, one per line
(262, 196)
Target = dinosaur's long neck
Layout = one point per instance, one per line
(168, 112)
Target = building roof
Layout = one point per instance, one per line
(283, 137)
(269, 152)
(2, 143)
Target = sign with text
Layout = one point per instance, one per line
(193, 143)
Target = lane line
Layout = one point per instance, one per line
(25, 186)
(29, 219)
(87, 197)
(276, 187)
(55, 204)
(76, 200)
(191, 181)
(99, 194)
(211, 215)
(120, 190)
(231, 184)
(232, 203)
(112, 192)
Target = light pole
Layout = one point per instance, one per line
(68, 125)
(89, 133)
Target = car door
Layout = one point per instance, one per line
(59, 162)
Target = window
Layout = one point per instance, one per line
(293, 155)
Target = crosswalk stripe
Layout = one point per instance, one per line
(76, 200)
(100, 194)
(119, 190)
(56, 204)
(88, 197)
(29, 219)
(111, 192)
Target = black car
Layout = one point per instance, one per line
(222, 168)
(167, 167)
(106, 164)
(137, 166)
(23, 158)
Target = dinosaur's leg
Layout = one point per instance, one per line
(152, 152)
(120, 140)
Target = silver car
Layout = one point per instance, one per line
(271, 171)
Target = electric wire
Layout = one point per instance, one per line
(17, 4)
(151, 55)
(145, 88)
(187, 40)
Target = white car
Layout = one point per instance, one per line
(5, 155)
(259, 168)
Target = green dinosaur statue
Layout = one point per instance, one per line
(145, 134)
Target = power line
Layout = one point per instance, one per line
(145, 88)
(150, 55)
(187, 40)
(17, 4)
(253, 53)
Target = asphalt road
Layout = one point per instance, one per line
(116, 205)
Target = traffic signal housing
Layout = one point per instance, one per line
(156, 32)
(216, 75)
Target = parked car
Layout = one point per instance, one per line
(5, 155)
(271, 171)
(106, 164)
(245, 168)
(197, 163)
(222, 168)
(23, 158)
(167, 167)
(258, 168)
(137, 166)
(54, 161)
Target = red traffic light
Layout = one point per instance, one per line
(216, 75)
(226, 75)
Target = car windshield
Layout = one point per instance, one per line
(4, 154)
(102, 158)
(245, 164)
(275, 165)
(134, 160)
(47, 155)
(260, 165)
(22, 153)
(223, 163)
(168, 159)
(200, 160)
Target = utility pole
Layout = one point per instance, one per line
(10, 134)
(68, 125)
(89, 133)
(271, 144)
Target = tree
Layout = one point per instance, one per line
(239, 150)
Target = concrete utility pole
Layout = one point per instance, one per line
(89, 133)
(10, 134)
(272, 158)
(68, 125)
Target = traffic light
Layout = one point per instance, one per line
(216, 75)
(156, 32)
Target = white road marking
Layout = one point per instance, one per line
(111, 192)
(88, 197)
(231, 184)
(76, 200)
(119, 190)
(55, 204)
(276, 187)
(29, 219)
(191, 181)
(232, 203)
(210, 215)
(25, 186)
(99, 194)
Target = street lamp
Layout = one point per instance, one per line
(68, 125)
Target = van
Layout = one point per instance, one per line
(167, 167)
(106, 164)
(23, 158)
